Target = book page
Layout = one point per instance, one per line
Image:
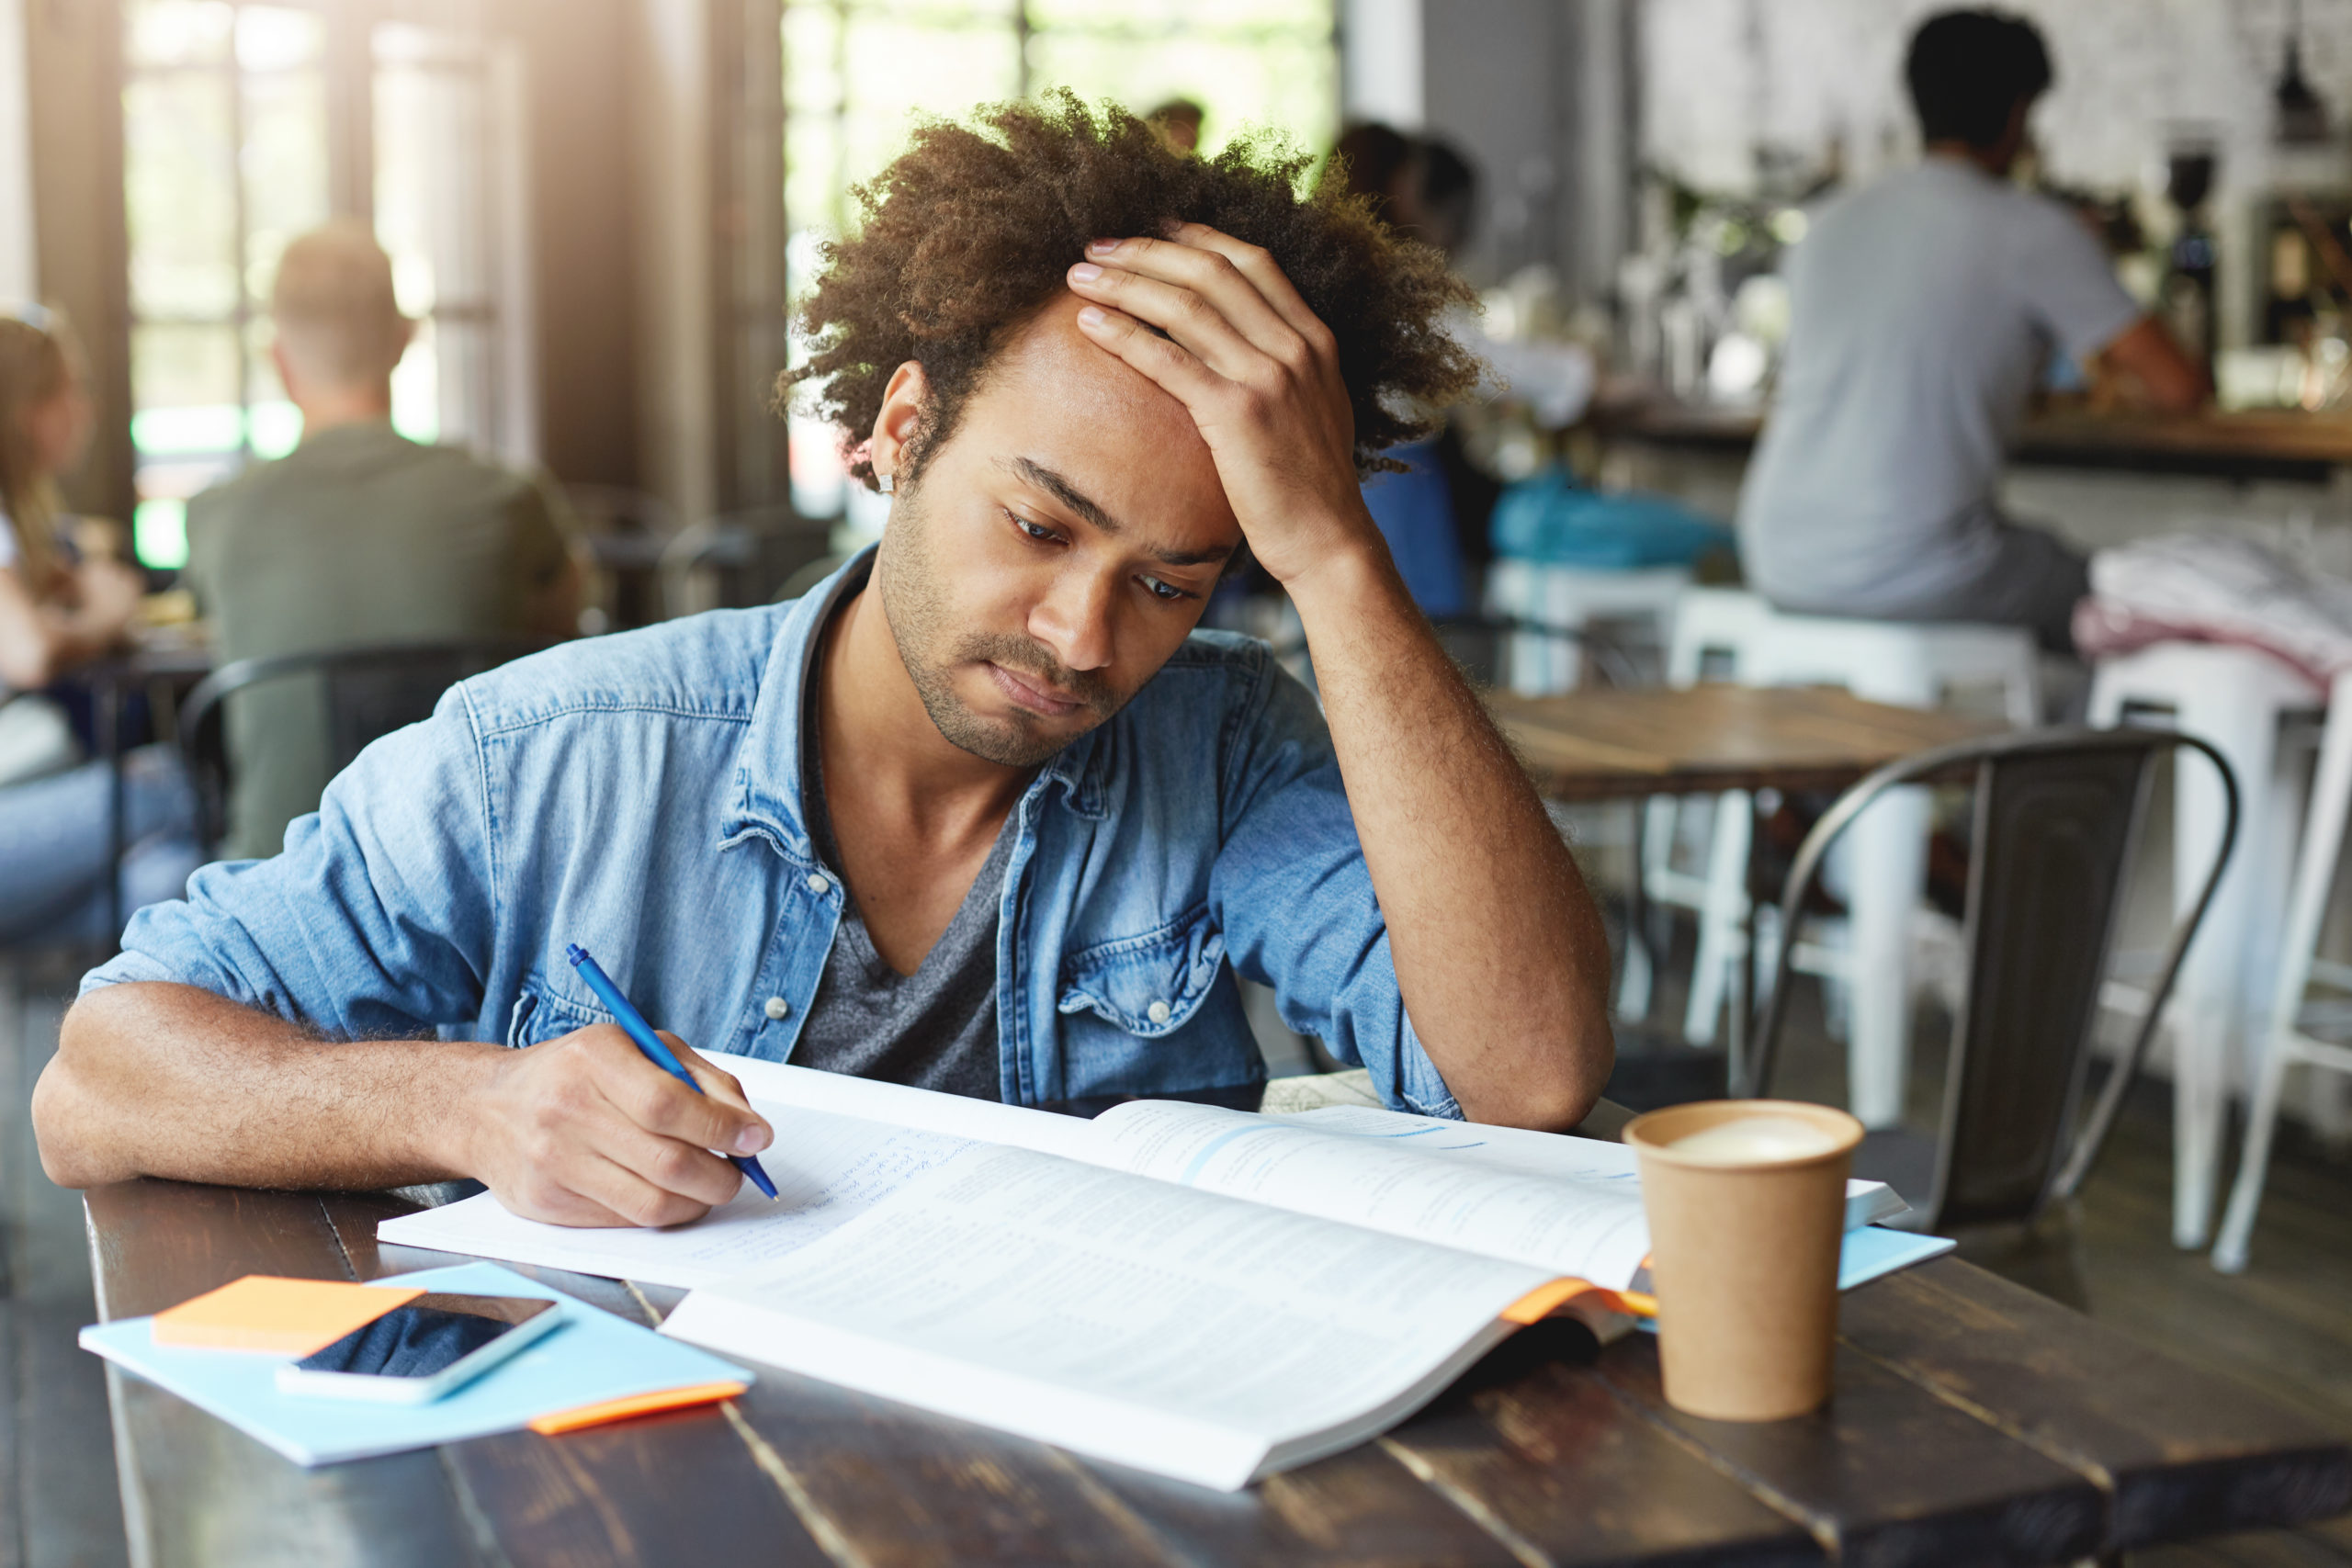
(1590, 1228)
(1538, 1154)
(828, 1169)
(900, 1105)
(1173, 1329)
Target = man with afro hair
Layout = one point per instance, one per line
(983, 812)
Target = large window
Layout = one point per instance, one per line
(856, 73)
(245, 125)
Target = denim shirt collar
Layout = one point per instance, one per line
(765, 799)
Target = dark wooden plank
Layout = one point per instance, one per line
(898, 1487)
(2186, 1451)
(1888, 1473)
(1556, 1463)
(677, 1488)
(1362, 1508)
(196, 1490)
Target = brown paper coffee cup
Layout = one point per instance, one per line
(1744, 1227)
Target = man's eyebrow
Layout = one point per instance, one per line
(1077, 501)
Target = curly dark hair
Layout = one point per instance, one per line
(971, 232)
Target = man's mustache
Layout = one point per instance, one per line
(1025, 655)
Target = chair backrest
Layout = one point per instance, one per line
(2058, 813)
(364, 693)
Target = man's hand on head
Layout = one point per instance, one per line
(1259, 372)
(584, 1130)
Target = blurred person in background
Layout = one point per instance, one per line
(1178, 123)
(1924, 310)
(359, 537)
(58, 611)
(1434, 514)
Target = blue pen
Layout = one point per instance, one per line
(633, 1022)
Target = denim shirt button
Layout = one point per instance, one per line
(776, 1008)
(1157, 1013)
(819, 883)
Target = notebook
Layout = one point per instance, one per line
(594, 1358)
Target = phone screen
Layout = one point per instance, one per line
(426, 1336)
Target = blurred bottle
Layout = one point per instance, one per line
(2187, 299)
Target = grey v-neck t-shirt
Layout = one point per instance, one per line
(934, 1028)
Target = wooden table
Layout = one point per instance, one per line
(1975, 1423)
(1609, 744)
(2247, 444)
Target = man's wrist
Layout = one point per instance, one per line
(1346, 580)
(448, 1091)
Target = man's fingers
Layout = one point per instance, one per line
(552, 1203)
(654, 1101)
(1179, 373)
(633, 1199)
(1216, 278)
(1192, 318)
(676, 1165)
(721, 1085)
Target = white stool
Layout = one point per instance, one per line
(1571, 598)
(1717, 623)
(2234, 699)
(1912, 664)
(2290, 1044)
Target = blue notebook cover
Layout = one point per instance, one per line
(591, 1358)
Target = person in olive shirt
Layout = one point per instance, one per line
(359, 536)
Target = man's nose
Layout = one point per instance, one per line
(1074, 619)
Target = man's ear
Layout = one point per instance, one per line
(901, 417)
(285, 374)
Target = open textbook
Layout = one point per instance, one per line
(1208, 1293)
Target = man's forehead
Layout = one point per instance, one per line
(1050, 357)
(1056, 401)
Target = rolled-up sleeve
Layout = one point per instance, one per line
(1295, 898)
(377, 919)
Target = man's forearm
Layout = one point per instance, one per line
(171, 1080)
(1499, 950)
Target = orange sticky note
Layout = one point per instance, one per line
(580, 1415)
(1544, 1300)
(285, 1318)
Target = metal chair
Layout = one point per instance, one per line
(364, 693)
(2058, 813)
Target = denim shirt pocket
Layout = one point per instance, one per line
(1151, 985)
(542, 1013)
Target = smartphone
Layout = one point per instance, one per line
(419, 1351)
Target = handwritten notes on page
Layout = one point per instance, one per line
(828, 1169)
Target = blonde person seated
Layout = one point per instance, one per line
(58, 611)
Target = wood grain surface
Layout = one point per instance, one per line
(2245, 442)
(1975, 1423)
(1602, 743)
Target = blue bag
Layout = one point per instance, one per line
(1550, 517)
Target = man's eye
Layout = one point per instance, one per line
(1043, 536)
(1166, 592)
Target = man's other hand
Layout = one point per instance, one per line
(584, 1130)
(1258, 370)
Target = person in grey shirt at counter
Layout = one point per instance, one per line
(1925, 307)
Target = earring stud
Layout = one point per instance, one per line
(886, 483)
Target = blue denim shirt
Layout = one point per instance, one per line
(640, 795)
